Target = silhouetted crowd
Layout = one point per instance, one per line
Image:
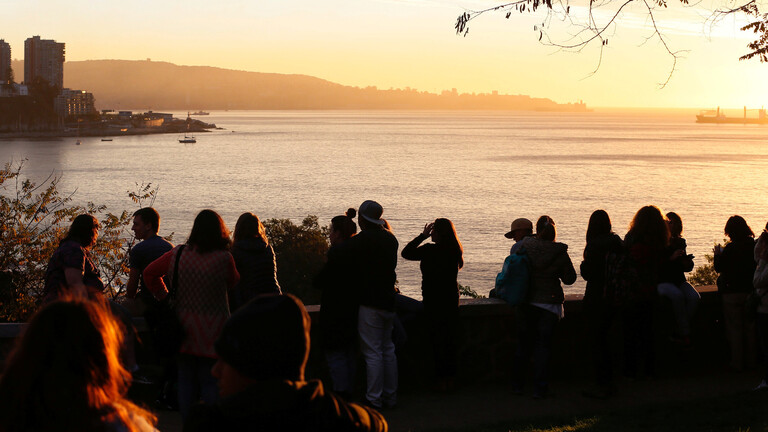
(232, 348)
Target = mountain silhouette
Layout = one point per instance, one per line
(137, 84)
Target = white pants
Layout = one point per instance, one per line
(375, 328)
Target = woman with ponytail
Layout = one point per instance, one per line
(538, 315)
(339, 305)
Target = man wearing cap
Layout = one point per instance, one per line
(520, 229)
(373, 253)
(263, 352)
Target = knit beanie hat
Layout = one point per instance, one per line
(267, 338)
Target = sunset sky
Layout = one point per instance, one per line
(408, 43)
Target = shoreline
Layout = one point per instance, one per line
(101, 132)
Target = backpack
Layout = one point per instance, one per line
(622, 280)
(513, 281)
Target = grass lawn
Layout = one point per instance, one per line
(747, 411)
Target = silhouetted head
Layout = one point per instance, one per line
(737, 228)
(599, 225)
(545, 228)
(65, 372)
(266, 339)
(521, 227)
(444, 233)
(369, 215)
(675, 224)
(209, 232)
(146, 223)
(343, 227)
(84, 230)
(248, 226)
(649, 226)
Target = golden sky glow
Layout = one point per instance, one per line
(407, 43)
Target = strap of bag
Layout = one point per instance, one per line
(175, 281)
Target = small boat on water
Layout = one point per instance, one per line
(106, 139)
(78, 142)
(718, 117)
(199, 113)
(188, 140)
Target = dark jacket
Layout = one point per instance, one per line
(673, 271)
(736, 265)
(255, 261)
(284, 406)
(338, 302)
(593, 267)
(550, 264)
(647, 260)
(374, 254)
(439, 271)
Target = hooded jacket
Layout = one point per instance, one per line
(550, 264)
(284, 406)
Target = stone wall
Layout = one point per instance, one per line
(486, 341)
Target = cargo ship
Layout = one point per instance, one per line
(716, 116)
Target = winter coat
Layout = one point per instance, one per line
(550, 264)
(255, 261)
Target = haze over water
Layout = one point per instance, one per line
(479, 169)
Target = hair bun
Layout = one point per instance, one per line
(351, 213)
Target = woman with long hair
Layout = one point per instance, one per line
(338, 306)
(440, 263)
(71, 271)
(673, 284)
(255, 261)
(65, 374)
(646, 246)
(538, 315)
(736, 265)
(206, 273)
(601, 241)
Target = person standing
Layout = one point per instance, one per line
(736, 265)
(538, 315)
(646, 245)
(760, 282)
(440, 263)
(146, 224)
(255, 261)
(601, 240)
(71, 271)
(206, 272)
(338, 307)
(373, 253)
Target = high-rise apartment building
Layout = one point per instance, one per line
(5, 62)
(44, 58)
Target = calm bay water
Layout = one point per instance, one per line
(479, 169)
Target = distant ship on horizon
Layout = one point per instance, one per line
(718, 117)
(199, 113)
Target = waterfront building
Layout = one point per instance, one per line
(74, 103)
(5, 62)
(44, 58)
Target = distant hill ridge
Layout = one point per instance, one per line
(134, 84)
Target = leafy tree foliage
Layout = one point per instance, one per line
(34, 218)
(589, 28)
(300, 253)
(704, 274)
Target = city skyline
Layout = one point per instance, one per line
(399, 44)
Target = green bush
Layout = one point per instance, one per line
(704, 274)
(300, 253)
(33, 220)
